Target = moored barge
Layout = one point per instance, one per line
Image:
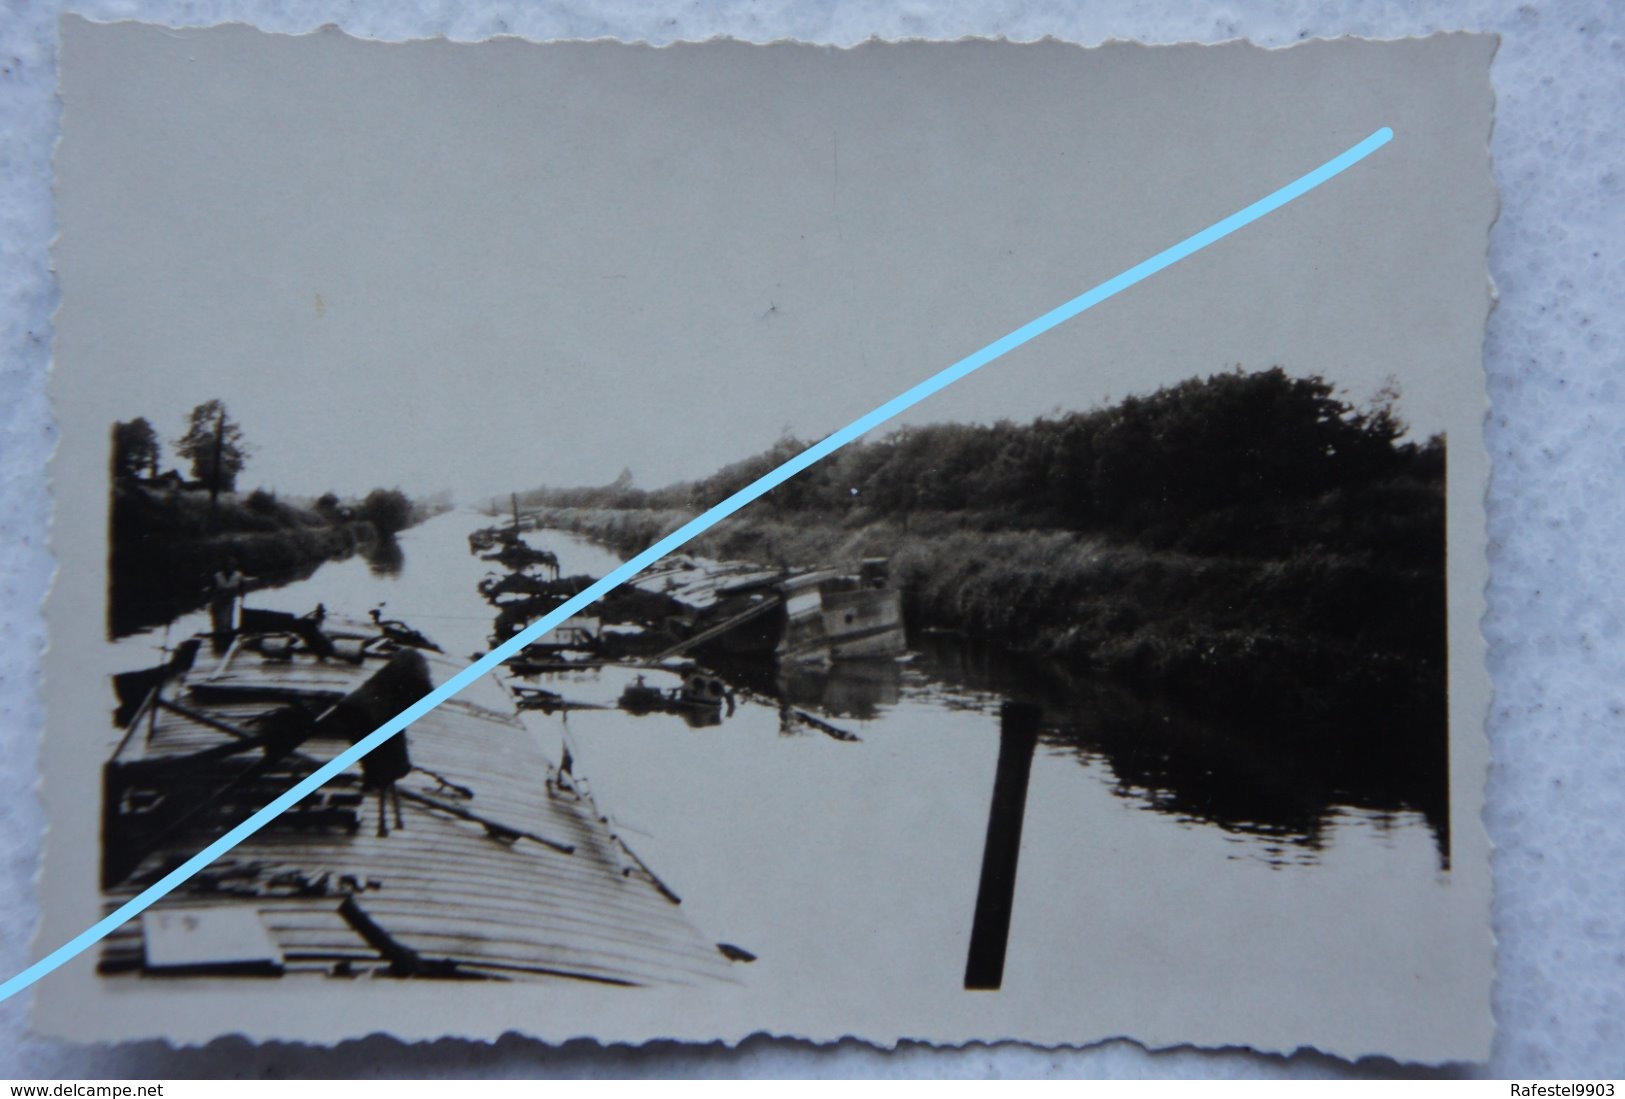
(457, 850)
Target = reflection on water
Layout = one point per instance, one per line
(834, 822)
(1283, 795)
(1287, 788)
(861, 690)
(384, 556)
(1284, 785)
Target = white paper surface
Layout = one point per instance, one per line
(578, 235)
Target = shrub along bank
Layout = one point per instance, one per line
(1249, 543)
(167, 543)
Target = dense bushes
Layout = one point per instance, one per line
(1250, 547)
(170, 534)
(167, 542)
(1229, 442)
(1250, 541)
(387, 509)
(1298, 635)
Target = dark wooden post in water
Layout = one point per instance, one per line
(1018, 736)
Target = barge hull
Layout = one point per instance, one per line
(865, 624)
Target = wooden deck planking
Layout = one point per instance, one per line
(448, 887)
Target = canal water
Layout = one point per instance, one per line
(1146, 850)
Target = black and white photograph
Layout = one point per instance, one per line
(1131, 685)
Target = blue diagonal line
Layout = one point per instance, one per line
(692, 529)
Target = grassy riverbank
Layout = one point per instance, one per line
(1250, 544)
(1314, 632)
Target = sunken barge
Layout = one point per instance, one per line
(815, 616)
(457, 850)
(726, 609)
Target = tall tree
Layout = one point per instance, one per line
(213, 443)
(135, 448)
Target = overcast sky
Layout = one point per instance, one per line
(486, 267)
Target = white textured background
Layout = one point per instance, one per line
(1557, 541)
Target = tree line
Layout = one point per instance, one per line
(215, 453)
(212, 445)
(1254, 546)
(1234, 442)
